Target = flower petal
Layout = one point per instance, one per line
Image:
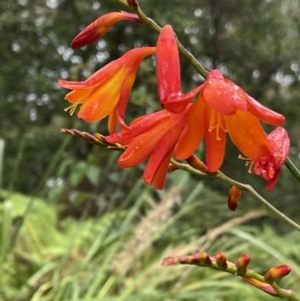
(140, 125)
(160, 175)
(139, 148)
(100, 26)
(168, 66)
(215, 143)
(102, 99)
(157, 160)
(263, 113)
(77, 96)
(224, 96)
(280, 145)
(247, 134)
(193, 132)
(177, 103)
(112, 121)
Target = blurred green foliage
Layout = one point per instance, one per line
(84, 210)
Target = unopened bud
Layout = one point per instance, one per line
(100, 137)
(234, 196)
(133, 4)
(265, 287)
(221, 260)
(242, 264)
(197, 163)
(277, 272)
(204, 259)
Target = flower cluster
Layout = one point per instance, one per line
(207, 113)
(240, 268)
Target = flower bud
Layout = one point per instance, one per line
(204, 259)
(267, 288)
(277, 272)
(100, 137)
(133, 3)
(196, 163)
(242, 264)
(234, 196)
(100, 26)
(221, 260)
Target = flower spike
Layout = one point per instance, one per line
(100, 26)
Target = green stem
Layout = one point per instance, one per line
(293, 169)
(285, 293)
(241, 186)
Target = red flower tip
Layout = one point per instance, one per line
(100, 26)
(234, 196)
(277, 272)
(242, 264)
(270, 169)
(221, 260)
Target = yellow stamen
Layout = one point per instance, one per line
(248, 162)
(216, 122)
(72, 108)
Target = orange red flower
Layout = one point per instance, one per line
(107, 91)
(153, 136)
(223, 107)
(100, 26)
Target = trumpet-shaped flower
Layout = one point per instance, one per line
(270, 169)
(168, 73)
(107, 91)
(153, 136)
(223, 107)
(100, 26)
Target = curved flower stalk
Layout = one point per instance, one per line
(219, 262)
(223, 107)
(107, 91)
(100, 26)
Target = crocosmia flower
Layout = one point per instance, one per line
(153, 136)
(270, 169)
(168, 73)
(223, 107)
(100, 26)
(107, 91)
